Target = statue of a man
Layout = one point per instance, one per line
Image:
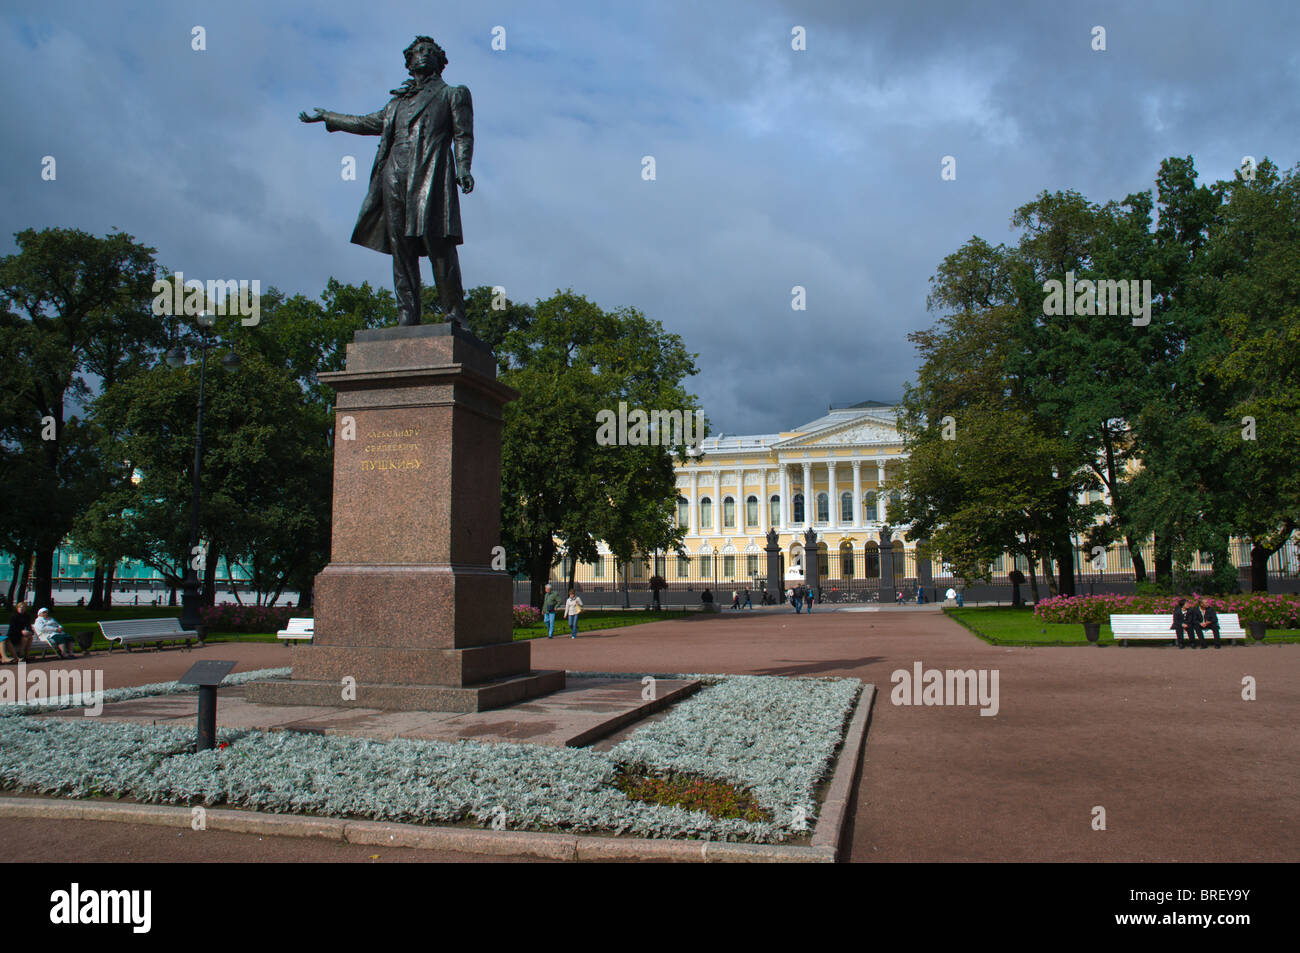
(411, 209)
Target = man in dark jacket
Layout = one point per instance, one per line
(1212, 623)
(411, 208)
(1193, 620)
(1179, 622)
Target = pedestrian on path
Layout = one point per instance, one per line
(749, 603)
(810, 598)
(550, 604)
(573, 609)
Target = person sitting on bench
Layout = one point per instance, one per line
(48, 630)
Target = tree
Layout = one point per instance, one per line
(73, 305)
(569, 360)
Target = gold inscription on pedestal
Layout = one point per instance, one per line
(392, 450)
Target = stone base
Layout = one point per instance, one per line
(389, 697)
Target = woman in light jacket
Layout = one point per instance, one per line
(572, 607)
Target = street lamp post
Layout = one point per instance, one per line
(190, 586)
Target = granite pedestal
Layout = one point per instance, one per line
(409, 607)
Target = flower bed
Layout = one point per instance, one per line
(773, 738)
(1278, 610)
(232, 617)
(526, 616)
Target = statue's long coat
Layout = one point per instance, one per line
(443, 122)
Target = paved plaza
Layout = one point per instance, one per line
(1185, 769)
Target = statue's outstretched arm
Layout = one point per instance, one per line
(371, 125)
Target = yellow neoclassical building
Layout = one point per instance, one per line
(832, 474)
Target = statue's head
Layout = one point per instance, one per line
(425, 55)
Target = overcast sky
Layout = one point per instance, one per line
(774, 167)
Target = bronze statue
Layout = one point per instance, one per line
(411, 209)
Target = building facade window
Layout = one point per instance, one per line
(823, 508)
(751, 566)
(751, 511)
(729, 567)
(706, 566)
(706, 513)
(846, 507)
(683, 567)
(729, 513)
(797, 506)
(683, 512)
(774, 510)
(598, 568)
(869, 506)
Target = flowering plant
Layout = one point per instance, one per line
(233, 617)
(526, 616)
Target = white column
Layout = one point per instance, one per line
(807, 494)
(762, 501)
(832, 491)
(785, 497)
(693, 516)
(857, 493)
(880, 490)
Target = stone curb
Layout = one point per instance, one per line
(830, 824)
(824, 847)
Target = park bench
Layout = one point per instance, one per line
(126, 631)
(296, 630)
(1126, 627)
(81, 640)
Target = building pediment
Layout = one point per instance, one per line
(866, 430)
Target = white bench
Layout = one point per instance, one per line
(126, 631)
(298, 629)
(1126, 627)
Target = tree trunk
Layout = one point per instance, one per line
(208, 594)
(1139, 563)
(305, 596)
(539, 570)
(108, 586)
(1259, 567)
(25, 582)
(1164, 560)
(13, 578)
(43, 581)
(97, 589)
(1065, 566)
(1033, 578)
(1048, 576)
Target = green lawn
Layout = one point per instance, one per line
(1000, 625)
(75, 620)
(601, 619)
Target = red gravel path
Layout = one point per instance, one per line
(1161, 739)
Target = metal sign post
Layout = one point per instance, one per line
(207, 675)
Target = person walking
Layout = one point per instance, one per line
(735, 599)
(550, 604)
(1179, 623)
(1193, 620)
(1212, 623)
(809, 599)
(572, 609)
(749, 603)
(798, 599)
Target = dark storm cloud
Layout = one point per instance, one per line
(775, 168)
